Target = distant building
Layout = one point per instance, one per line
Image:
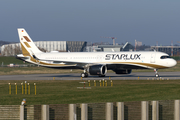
(170, 50)
(11, 49)
(110, 48)
(76, 46)
(128, 47)
(139, 43)
(92, 48)
(46, 46)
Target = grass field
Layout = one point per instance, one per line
(65, 92)
(6, 60)
(34, 70)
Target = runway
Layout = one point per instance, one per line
(113, 76)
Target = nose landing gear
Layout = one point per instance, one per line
(156, 73)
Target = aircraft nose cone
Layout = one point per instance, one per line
(173, 62)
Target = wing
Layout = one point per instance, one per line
(63, 62)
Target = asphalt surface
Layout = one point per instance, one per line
(113, 76)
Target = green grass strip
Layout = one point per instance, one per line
(65, 92)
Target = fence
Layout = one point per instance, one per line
(141, 110)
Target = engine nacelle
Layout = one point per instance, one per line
(122, 71)
(100, 70)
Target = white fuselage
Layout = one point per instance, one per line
(143, 59)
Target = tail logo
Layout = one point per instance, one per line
(27, 39)
(24, 51)
(27, 45)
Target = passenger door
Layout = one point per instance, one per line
(153, 58)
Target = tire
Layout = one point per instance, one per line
(84, 75)
(157, 75)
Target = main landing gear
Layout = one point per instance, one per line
(84, 74)
(156, 73)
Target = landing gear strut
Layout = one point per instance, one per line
(156, 73)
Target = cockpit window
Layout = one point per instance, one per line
(164, 57)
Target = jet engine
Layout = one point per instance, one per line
(122, 71)
(98, 70)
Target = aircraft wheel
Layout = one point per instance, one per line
(156, 75)
(84, 75)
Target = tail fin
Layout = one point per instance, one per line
(27, 45)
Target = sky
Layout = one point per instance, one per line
(148, 21)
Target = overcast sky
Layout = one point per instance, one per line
(147, 21)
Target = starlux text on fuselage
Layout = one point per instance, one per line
(122, 57)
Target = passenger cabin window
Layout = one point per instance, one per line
(164, 57)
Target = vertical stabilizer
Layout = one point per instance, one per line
(27, 45)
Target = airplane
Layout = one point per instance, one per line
(94, 63)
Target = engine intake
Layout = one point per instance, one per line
(98, 70)
(122, 71)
